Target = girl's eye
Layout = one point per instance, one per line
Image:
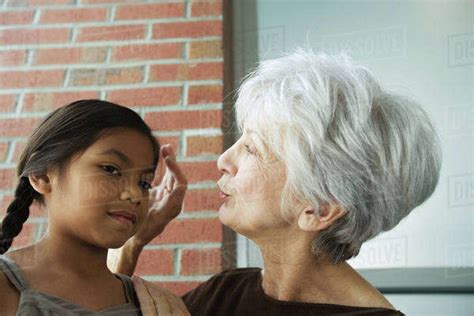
(110, 169)
(146, 185)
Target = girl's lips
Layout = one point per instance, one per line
(123, 220)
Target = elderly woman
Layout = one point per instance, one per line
(327, 160)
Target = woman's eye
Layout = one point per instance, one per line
(110, 169)
(249, 150)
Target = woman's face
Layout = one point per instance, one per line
(251, 187)
(112, 175)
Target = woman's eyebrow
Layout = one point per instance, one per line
(124, 158)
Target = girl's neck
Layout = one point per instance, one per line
(70, 256)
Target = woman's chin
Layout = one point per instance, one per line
(224, 214)
(227, 216)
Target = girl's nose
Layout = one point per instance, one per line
(131, 191)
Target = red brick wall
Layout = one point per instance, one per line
(162, 59)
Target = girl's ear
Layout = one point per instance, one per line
(41, 184)
(310, 221)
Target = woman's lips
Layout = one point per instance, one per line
(223, 196)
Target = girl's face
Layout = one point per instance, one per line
(251, 187)
(104, 197)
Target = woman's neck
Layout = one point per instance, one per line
(292, 273)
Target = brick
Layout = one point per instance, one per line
(201, 261)
(104, 1)
(205, 94)
(7, 102)
(75, 55)
(153, 262)
(146, 96)
(3, 151)
(206, 8)
(12, 58)
(27, 79)
(18, 126)
(110, 33)
(8, 179)
(124, 75)
(41, 102)
(179, 287)
(201, 200)
(150, 11)
(29, 3)
(203, 71)
(19, 146)
(184, 120)
(204, 145)
(206, 49)
(26, 236)
(190, 231)
(168, 72)
(200, 171)
(5, 202)
(199, 71)
(16, 17)
(75, 15)
(87, 77)
(98, 77)
(34, 36)
(147, 52)
(187, 29)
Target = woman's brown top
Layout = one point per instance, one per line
(239, 292)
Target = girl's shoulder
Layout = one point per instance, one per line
(9, 296)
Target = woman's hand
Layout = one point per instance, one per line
(156, 301)
(166, 199)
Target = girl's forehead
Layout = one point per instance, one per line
(129, 146)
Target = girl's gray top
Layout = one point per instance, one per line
(35, 303)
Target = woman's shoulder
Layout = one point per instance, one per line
(226, 284)
(236, 273)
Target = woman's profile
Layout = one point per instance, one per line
(327, 160)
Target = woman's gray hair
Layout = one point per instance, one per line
(343, 139)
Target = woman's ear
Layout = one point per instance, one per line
(310, 221)
(41, 184)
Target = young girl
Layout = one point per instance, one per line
(91, 164)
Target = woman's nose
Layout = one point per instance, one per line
(226, 164)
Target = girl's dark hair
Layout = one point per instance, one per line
(65, 132)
